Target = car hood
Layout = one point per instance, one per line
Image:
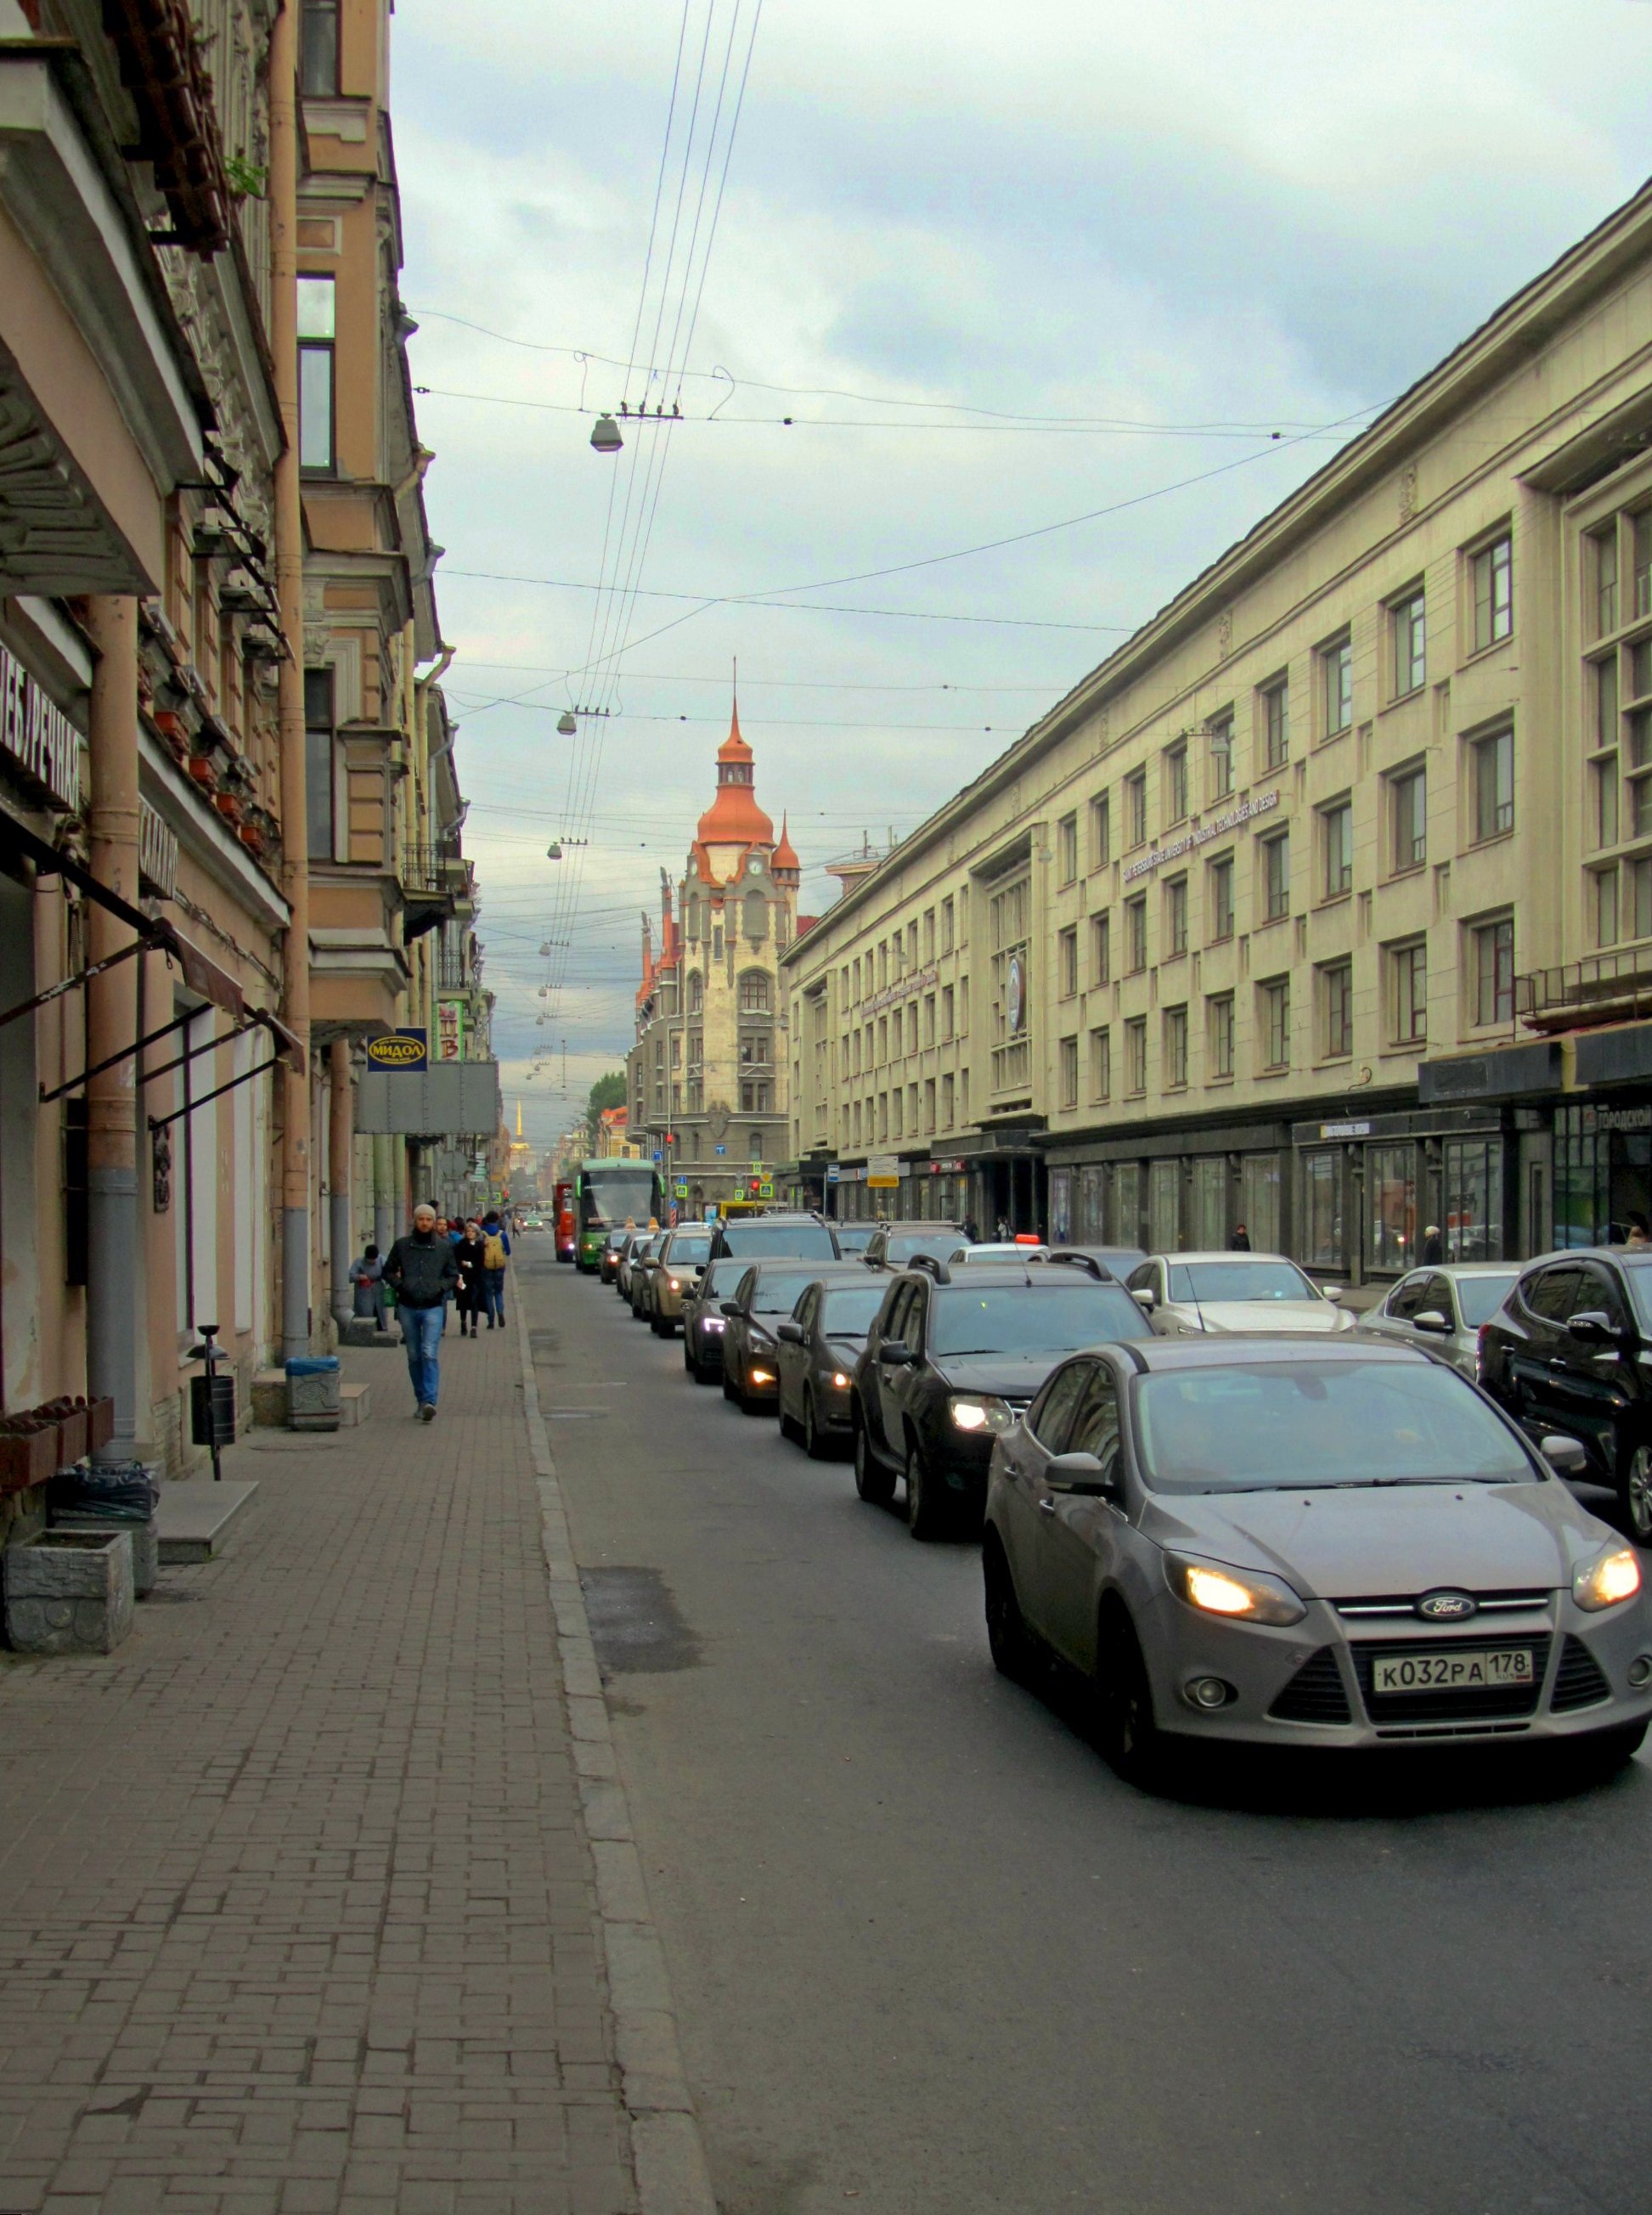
(1016, 1375)
(1256, 1316)
(1363, 1544)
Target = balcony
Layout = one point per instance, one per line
(1602, 988)
(434, 880)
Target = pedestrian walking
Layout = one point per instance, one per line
(1433, 1252)
(422, 1272)
(496, 1252)
(470, 1296)
(970, 1232)
(367, 1276)
(1240, 1242)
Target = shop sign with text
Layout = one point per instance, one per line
(37, 742)
(1264, 804)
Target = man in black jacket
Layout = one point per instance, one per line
(422, 1272)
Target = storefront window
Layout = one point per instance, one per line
(1210, 1202)
(1060, 1207)
(1322, 1209)
(1125, 1227)
(1581, 1178)
(1261, 1184)
(1390, 1180)
(1473, 1199)
(1164, 1206)
(1089, 1205)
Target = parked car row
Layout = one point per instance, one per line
(1239, 1512)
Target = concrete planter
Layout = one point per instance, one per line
(145, 1545)
(69, 1591)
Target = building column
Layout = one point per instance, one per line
(296, 1164)
(340, 1163)
(112, 1023)
(387, 1197)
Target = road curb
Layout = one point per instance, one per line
(667, 2154)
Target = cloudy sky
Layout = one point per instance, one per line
(1002, 267)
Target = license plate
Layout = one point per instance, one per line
(1453, 1673)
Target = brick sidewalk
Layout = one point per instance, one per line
(298, 1909)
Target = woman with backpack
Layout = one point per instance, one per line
(495, 1252)
(469, 1299)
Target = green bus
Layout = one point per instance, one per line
(605, 1191)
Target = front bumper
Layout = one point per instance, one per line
(1312, 1685)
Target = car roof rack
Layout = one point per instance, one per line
(932, 1265)
(1072, 1260)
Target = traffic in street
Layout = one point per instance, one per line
(949, 1934)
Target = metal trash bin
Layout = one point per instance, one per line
(211, 1409)
(313, 1392)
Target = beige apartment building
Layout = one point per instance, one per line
(1324, 904)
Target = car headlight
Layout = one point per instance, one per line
(840, 1382)
(1607, 1581)
(975, 1413)
(1244, 1595)
(762, 1377)
(711, 1322)
(673, 1284)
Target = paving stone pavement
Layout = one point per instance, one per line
(298, 1913)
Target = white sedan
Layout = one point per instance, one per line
(1186, 1294)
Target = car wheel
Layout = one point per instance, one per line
(1635, 1488)
(875, 1483)
(928, 1510)
(789, 1426)
(1600, 1757)
(1125, 1731)
(1007, 1635)
(815, 1441)
(730, 1390)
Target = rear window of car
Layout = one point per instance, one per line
(901, 1245)
(855, 1237)
(1239, 1281)
(691, 1245)
(778, 1290)
(851, 1312)
(1032, 1318)
(1480, 1298)
(755, 1240)
(1309, 1426)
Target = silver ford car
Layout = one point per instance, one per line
(1308, 1542)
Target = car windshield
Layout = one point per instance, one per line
(1313, 1425)
(1032, 1319)
(1480, 1298)
(849, 1314)
(855, 1237)
(1239, 1281)
(903, 1244)
(754, 1240)
(778, 1290)
(616, 1239)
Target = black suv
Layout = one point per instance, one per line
(952, 1360)
(895, 1245)
(1570, 1350)
(780, 1236)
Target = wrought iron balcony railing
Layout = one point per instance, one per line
(1602, 988)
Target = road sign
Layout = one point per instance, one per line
(883, 1171)
(722, 1151)
(765, 1188)
(682, 1187)
(831, 1172)
(658, 1159)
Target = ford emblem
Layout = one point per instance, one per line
(1447, 1606)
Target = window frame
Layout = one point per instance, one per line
(1413, 776)
(1483, 557)
(1338, 813)
(1403, 1008)
(325, 13)
(1480, 750)
(1335, 980)
(1276, 689)
(1278, 845)
(320, 347)
(1408, 643)
(1335, 658)
(1480, 930)
(1220, 1035)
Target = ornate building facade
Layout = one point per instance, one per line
(708, 1076)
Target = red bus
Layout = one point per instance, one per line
(567, 1231)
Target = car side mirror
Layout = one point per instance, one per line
(1145, 1297)
(1593, 1327)
(1564, 1455)
(894, 1354)
(792, 1332)
(1432, 1320)
(1083, 1475)
(729, 1308)
(1332, 1291)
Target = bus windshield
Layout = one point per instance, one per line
(612, 1190)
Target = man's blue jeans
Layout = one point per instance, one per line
(421, 1333)
(493, 1295)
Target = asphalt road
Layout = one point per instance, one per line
(930, 1956)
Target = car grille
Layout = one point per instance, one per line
(1391, 1605)
(1481, 1703)
(1578, 1681)
(1315, 1695)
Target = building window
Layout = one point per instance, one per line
(1069, 1072)
(317, 378)
(1336, 686)
(1135, 1054)
(1175, 917)
(1391, 1206)
(1606, 907)
(1276, 1022)
(1066, 947)
(948, 1096)
(1492, 970)
(1408, 985)
(318, 49)
(1322, 1208)
(321, 765)
(1175, 1049)
(1276, 725)
(1408, 805)
(1101, 1065)
(1605, 546)
(949, 925)
(949, 1005)
(1009, 915)
(1218, 1034)
(1336, 834)
(1176, 784)
(1336, 1010)
(1221, 728)
(1605, 799)
(1606, 702)
(1101, 949)
(1101, 832)
(1276, 877)
(929, 933)
(1408, 628)
(1639, 916)
(1219, 883)
(1135, 808)
(1493, 572)
(928, 1019)
(1066, 848)
(1493, 785)
(754, 993)
(1135, 926)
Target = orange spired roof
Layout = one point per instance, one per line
(733, 818)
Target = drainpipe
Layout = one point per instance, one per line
(296, 1165)
(111, 1025)
(341, 1146)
